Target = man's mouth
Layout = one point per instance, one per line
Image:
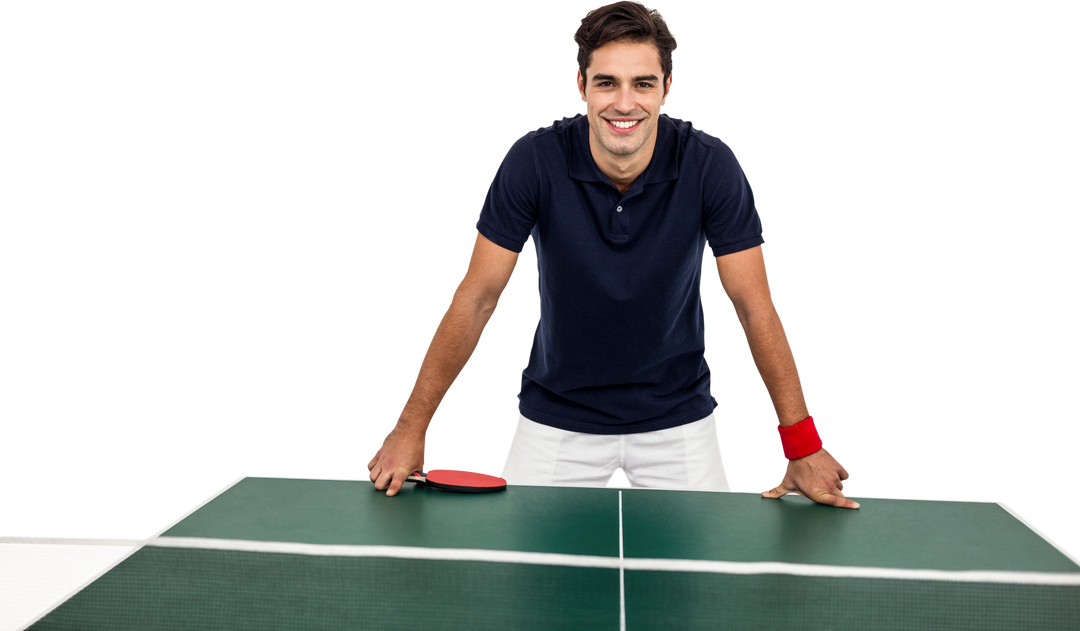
(622, 126)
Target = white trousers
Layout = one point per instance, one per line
(684, 457)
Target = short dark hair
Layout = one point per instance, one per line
(624, 21)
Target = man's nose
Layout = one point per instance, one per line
(624, 100)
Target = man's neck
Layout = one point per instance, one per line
(622, 170)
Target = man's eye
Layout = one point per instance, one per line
(644, 85)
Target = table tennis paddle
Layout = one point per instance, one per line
(458, 481)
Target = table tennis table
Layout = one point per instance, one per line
(273, 554)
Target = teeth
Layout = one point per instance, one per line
(624, 124)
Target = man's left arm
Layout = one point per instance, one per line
(817, 476)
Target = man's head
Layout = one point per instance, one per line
(624, 59)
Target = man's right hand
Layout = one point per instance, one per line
(402, 453)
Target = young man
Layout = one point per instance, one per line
(619, 204)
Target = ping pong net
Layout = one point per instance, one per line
(183, 584)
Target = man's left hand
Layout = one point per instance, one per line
(817, 476)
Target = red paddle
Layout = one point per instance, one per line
(458, 481)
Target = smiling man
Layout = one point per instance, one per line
(623, 111)
(619, 204)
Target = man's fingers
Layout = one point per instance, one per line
(822, 497)
(395, 483)
(843, 473)
(376, 471)
(779, 491)
(845, 503)
(371, 465)
(390, 480)
(840, 485)
(834, 499)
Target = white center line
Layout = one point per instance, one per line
(622, 579)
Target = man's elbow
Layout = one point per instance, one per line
(755, 311)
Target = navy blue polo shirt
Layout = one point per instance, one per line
(620, 347)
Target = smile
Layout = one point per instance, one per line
(622, 126)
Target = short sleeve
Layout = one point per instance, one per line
(730, 219)
(510, 210)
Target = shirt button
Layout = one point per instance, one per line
(619, 209)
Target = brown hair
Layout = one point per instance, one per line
(624, 21)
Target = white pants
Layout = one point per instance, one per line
(684, 457)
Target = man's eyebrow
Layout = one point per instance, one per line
(607, 77)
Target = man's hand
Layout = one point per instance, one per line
(402, 453)
(819, 477)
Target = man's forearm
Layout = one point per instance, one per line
(772, 355)
(450, 349)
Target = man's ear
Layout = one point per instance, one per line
(667, 88)
(581, 84)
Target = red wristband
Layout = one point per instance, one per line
(800, 440)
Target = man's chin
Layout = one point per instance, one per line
(622, 148)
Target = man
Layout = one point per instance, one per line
(619, 204)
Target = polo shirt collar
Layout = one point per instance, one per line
(663, 167)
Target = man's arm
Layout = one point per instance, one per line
(817, 476)
(459, 331)
(451, 347)
(746, 285)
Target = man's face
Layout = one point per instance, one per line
(624, 90)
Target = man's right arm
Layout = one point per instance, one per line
(449, 350)
(454, 343)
